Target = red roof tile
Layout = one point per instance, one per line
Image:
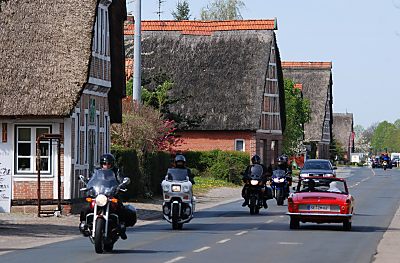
(309, 64)
(202, 27)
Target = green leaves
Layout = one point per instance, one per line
(222, 10)
(182, 11)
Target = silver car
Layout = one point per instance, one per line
(318, 167)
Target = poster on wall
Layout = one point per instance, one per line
(5, 189)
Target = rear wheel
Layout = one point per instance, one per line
(99, 235)
(347, 225)
(294, 223)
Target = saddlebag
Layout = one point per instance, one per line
(268, 192)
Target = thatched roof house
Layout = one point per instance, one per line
(316, 80)
(223, 69)
(343, 131)
(61, 68)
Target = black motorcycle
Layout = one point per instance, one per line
(280, 186)
(255, 185)
(103, 221)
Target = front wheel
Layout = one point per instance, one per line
(177, 226)
(99, 235)
(279, 197)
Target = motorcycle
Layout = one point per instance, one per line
(384, 165)
(255, 187)
(279, 184)
(179, 202)
(103, 222)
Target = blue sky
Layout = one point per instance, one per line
(360, 37)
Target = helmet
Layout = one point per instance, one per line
(107, 158)
(180, 160)
(282, 160)
(255, 159)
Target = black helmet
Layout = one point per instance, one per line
(282, 160)
(256, 159)
(107, 158)
(180, 160)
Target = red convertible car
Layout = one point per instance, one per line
(321, 200)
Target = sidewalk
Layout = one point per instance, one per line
(24, 231)
(388, 248)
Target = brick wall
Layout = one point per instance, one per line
(212, 140)
(28, 190)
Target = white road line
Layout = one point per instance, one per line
(201, 249)
(223, 241)
(241, 233)
(281, 216)
(255, 228)
(174, 260)
(290, 243)
(269, 221)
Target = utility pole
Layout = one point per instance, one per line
(137, 55)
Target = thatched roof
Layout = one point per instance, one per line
(343, 128)
(219, 68)
(45, 49)
(316, 80)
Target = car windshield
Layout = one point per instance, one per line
(322, 185)
(176, 174)
(102, 182)
(317, 166)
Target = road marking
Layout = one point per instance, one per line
(223, 241)
(281, 216)
(290, 243)
(241, 233)
(201, 249)
(269, 221)
(255, 228)
(174, 260)
(373, 172)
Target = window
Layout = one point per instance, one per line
(26, 150)
(239, 145)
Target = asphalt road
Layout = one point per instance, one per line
(228, 233)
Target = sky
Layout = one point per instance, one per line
(360, 37)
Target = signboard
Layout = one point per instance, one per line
(355, 158)
(5, 189)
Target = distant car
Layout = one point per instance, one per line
(318, 167)
(376, 163)
(395, 161)
(321, 200)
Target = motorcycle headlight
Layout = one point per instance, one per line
(101, 200)
(254, 182)
(276, 180)
(165, 187)
(176, 188)
(186, 188)
(281, 180)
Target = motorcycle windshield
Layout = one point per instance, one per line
(256, 172)
(174, 174)
(278, 173)
(102, 182)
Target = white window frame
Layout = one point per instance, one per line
(32, 157)
(244, 145)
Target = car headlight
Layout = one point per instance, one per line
(176, 188)
(254, 182)
(165, 187)
(304, 175)
(101, 200)
(186, 188)
(329, 175)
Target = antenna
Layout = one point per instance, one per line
(159, 12)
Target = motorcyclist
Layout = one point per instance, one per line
(256, 159)
(107, 162)
(180, 163)
(282, 164)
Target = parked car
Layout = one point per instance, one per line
(395, 162)
(318, 167)
(321, 200)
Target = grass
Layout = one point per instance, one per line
(204, 184)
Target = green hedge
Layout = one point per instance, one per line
(215, 164)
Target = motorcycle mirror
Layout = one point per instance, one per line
(83, 189)
(82, 179)
(126, 181)
(334, 167)
(294, 188)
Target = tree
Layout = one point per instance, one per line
(382, 138)
(182, 11)
(297, 114)
(222, 10)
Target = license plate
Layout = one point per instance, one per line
(315, 207)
